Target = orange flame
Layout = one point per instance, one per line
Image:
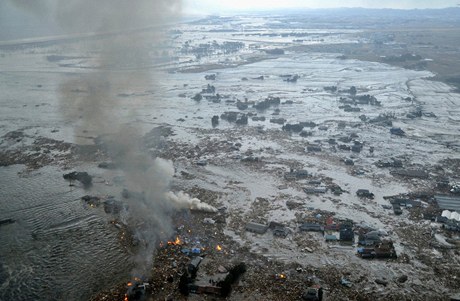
(176, 242)
(219, 248)
(126, 297)
(280, 276)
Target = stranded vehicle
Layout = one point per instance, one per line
(364, 193)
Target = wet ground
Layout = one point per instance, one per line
(59, 248)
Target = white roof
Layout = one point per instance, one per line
(455, 216)
(451, 215)
(446, 213)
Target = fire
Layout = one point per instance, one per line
(126, 297)
(176, 242)
(280, 276)
(219, 248)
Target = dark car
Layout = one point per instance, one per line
(364, 193)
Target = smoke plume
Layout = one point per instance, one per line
(184, 200)
(118, 57)
(83, 16)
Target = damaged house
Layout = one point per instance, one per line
(381, 250)
(279, 229)
(311, 227)
(369, 238)
(347, 235)
(256, 228)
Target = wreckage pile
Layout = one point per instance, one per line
(197, 261)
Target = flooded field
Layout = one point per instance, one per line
(278, 109)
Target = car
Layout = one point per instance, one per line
(201, 162)
(364, 193)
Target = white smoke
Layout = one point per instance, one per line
(184, 200)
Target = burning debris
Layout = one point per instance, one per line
(92, 201)
(176, 242)
(137, 290)
(126, 236)
(144, 216)
(280, 276)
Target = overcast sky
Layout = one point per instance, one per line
(33, 18)
(225, 5)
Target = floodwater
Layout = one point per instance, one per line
(58, 249)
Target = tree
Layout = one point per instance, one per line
(353, 90)
(197, 97)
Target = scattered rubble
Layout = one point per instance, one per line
(82, 177)
(275, 221)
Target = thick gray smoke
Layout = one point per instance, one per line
(83, 16)
(119, 57)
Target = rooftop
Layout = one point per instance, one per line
(448, 202)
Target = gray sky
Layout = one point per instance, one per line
(225, 5)
(33, 18)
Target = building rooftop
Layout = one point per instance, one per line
(256, 227)
(448, 202)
